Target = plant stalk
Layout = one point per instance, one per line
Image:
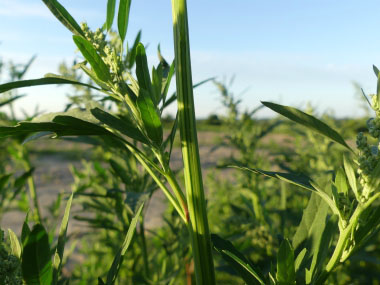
(198, 225)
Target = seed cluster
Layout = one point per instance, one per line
(369, 155)
(108, 53)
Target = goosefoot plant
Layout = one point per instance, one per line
(352, 198)
(144, 98)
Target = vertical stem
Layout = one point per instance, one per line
(198, 225)
(144, 248)
(32, 189)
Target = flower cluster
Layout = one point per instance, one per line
(105, 49)
(369, 155)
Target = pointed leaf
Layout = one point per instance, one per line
(236, 260)
(350, 173)
(110, 13)
(36, 258)
(58, 257)
(114, 270)
(15, 244)
(41, 81)
(285, 264)
(296, 179)
(64, 17)
(142, 72)
(150, 117)
(6, 102)
(25, 230)
(123, 126)
(89, 52)
(341, 182)
(123, 18)
(308, 121)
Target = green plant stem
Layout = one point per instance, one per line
(33, 194)
(344, 237)
(166, 191)
(198, 226)
(144, 248)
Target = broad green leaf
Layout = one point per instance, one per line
(36, 259)
(110, 13)
(312, 224)
(350, 173)
(41, 81)
(89, 52)
(64, 17)
(341, 182)
(236, 260)
(142, 72)
(123, 126)
(114, 270)
(123, 18)
(308, 121)
(15, 244)
(320, 253)
(285, 264)
(376, 70)
(58, 256)
(150, 117)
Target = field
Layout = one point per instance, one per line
(113, 190)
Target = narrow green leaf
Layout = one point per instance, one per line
(299, 259)
(25, 230)
(236, 260)
(4, 180)
(123, 18)
(41, 81)
(350, 173)
(15, 244)
(89, 52)
(6, 102)
(110, 13)
(150, 117)
(296, 179)
(64, 17)
(285, 264)
(123, 126)
(142, 72)
(131, 56)
(58, 256)
(166, 83)
(36, 258)
(308, 121)
(114, 270)
(376, 70)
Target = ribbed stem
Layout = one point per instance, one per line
(198, 226)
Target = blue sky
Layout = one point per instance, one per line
(292, 52)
